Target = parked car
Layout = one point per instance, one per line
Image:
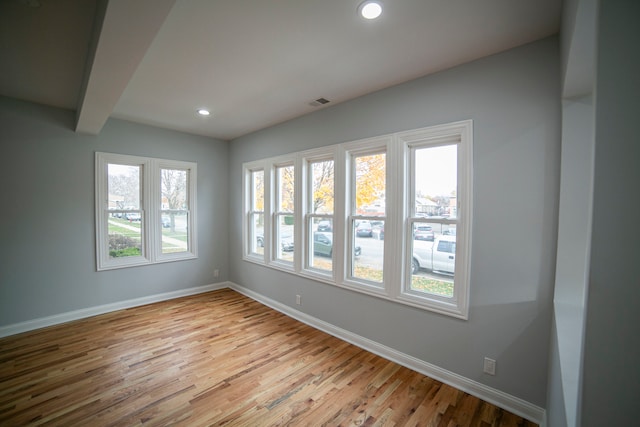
(450, 232)
(132, 216)
(166, 221)
(364, 229)
(325, 225)
(378, 231)
(286, 243)
(438, 256)
(423, 232)
(323, 244)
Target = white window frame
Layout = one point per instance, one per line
(308, 159)
(248, 237)
(460, 134)
(371, 146)
(398, 220)
(247, 185)
(277, 213)
(150, 210)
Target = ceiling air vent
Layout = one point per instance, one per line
(318, 102)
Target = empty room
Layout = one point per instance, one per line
(319, 213)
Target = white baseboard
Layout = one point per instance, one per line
(503, 400)
(56, 319)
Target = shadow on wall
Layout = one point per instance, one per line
(525, 357)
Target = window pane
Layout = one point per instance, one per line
(433, 243)
(436, 181)
(173, 183)
(321, 252)
(256, 233)
(124, 228)
(125, 237)
(322, 179)
(257, 191)
(284, 239)
(174, 210)
(285, 189)
(433, 265)
(433, 262)
(370, 174)
(175, 231)
(368, 252)
(284, 220)
(124, 186)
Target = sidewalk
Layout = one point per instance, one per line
(165, 239)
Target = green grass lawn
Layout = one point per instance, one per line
(418, 283)
(432, 286)
(116, 229)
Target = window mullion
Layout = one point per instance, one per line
(393, 265)
(149, 198)
(298, 210)
(267, 169)
(341, 195)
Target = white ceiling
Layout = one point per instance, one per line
(253, 63)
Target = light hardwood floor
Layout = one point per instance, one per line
(217, 358)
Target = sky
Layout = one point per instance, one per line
(436, 170)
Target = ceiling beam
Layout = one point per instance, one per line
(123, 32)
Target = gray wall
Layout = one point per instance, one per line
(574, 239)
(611, 384)
(47, 250)
(514, 100)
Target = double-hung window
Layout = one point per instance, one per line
(388, 216)
(284, 230)
(367, 173)
(255, 235)
(145, 210)
(319, 220)
(437, 224)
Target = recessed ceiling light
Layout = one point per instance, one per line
(370, 9)
(204, 112)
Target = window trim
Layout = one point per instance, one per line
(397, 194)
(156, 201)
(247, 234)
(460, 133)
(308, 238)
(276, 252)
(150, 207)
(366, 147)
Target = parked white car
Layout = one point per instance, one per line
(439, 255)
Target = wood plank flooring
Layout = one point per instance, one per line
(217, 358)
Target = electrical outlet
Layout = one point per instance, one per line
(216, 273)
(298, 300)
(489, 366)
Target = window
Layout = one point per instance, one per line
(284, 215)
(367, 210)
(319, 221)
(388, 216)
(145, 210)
(174, 212)
(256, 213)
(438, 209)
